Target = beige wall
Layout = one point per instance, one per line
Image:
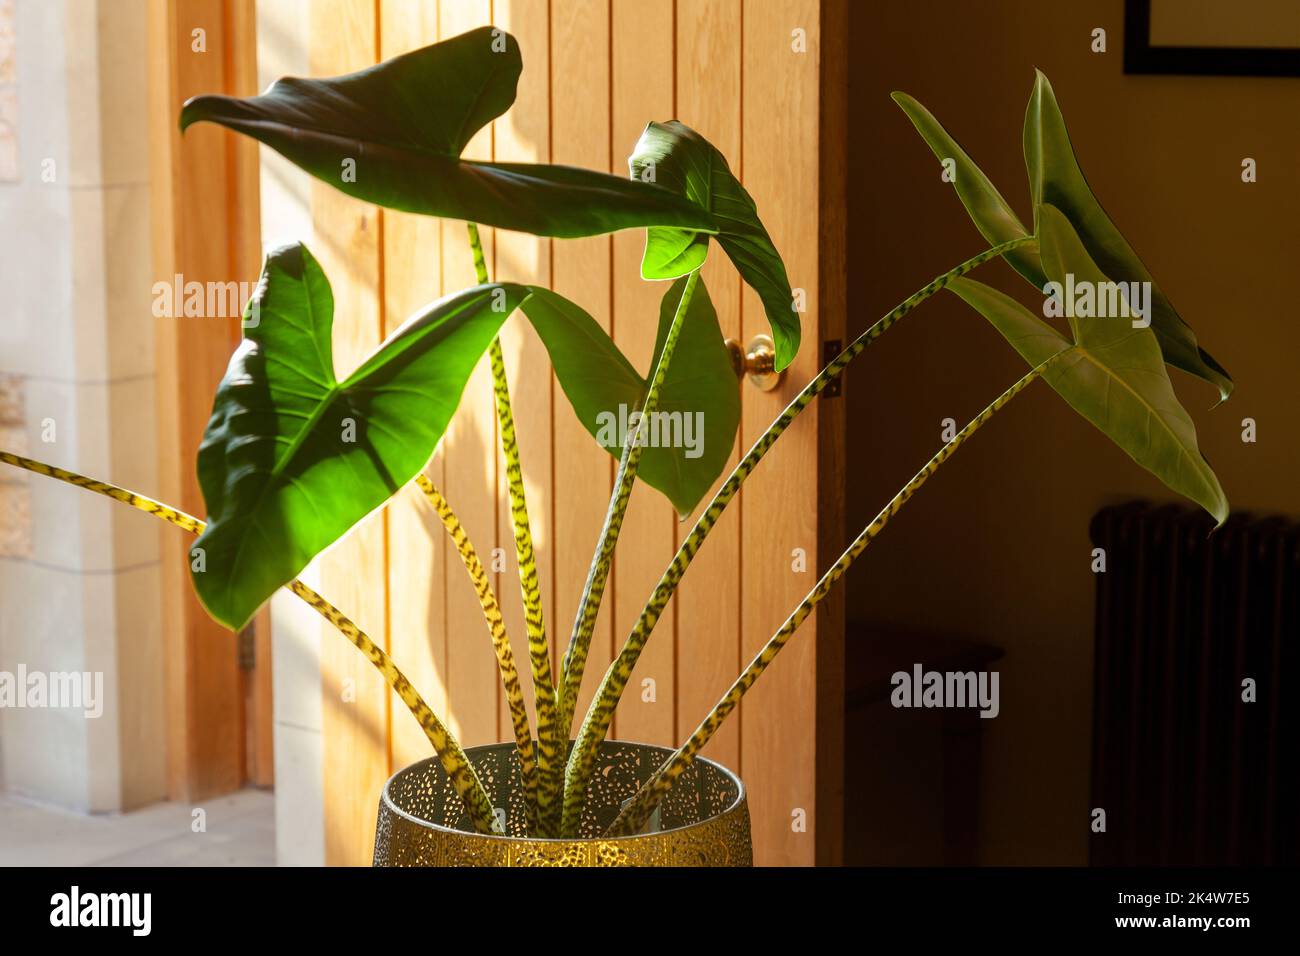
(997, 546)
(78, 587)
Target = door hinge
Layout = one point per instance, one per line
(831, 348)
(246, 645)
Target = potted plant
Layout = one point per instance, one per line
(293, 458)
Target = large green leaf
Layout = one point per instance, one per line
(601, 385)
(675, 156)
(1055, 178)
(995, 219)
(392, 134)
(292, 458)
(1113, 374)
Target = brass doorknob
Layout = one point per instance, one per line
(757, 363)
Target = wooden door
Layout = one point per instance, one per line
(763, 80)
(204, 214)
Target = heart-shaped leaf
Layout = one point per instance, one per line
(1113, 374)
(995, 219)
(699, 402)
(292, 458)
(675, 156)
(1055, 178)
(392, 134)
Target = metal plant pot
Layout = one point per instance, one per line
(704, 820)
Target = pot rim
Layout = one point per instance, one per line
(731, 808)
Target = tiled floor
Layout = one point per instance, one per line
(240, 831)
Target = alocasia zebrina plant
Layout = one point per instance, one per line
(293, 458)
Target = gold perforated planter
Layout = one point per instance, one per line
(704, 820)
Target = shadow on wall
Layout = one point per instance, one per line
(997, 547)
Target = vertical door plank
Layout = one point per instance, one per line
(417, 544)
(642, 82)
(832, 294)
(779, 506)
(523, 135)
(469, 459)
(708, 599)
(194, 193)
(580, 136)
(355, 710)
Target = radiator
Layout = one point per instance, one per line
(1186, 771)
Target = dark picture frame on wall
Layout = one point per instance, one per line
(1140, 56)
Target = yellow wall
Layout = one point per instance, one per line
(997, 546)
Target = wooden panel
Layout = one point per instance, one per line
(831, 325)
(642, 84)
(355, 713)
(524, 135)
(241, 72)
(708, 600)
(580, 136)
(726, 67)
(412, 268)
(469, 459)
(779, 505)
(259, 716)
(199, 230)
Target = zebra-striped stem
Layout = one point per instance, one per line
(575, 657)
(637, 811)
(550, 739)
(500, 642)
(464, 779)
(595, 726)
(457, 766)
